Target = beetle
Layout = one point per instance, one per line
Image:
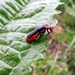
(38, 31)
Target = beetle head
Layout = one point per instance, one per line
(47, 26)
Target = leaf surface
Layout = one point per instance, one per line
(17, 19)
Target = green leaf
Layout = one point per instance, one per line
(70, 10)
(17, 19)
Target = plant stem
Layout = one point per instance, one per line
(68, 49)
(52, 67)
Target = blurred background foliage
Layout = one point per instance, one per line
(60, 55)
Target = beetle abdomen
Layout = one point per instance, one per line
(29, 39)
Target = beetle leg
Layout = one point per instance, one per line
(48, 30)
(40, 34)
